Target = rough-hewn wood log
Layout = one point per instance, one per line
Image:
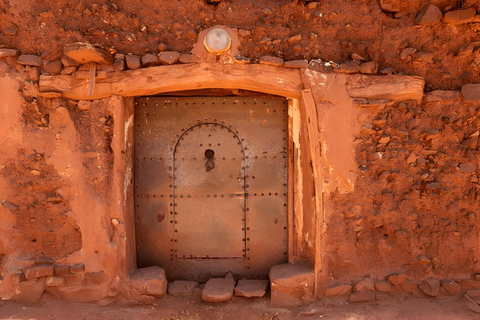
(394, 87)
(272, 80)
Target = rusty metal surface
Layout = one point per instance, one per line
(211, 185)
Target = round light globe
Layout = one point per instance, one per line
(217, 41)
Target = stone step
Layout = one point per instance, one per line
(218, 290)
(251, 288)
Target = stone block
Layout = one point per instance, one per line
(396, 279)
(362, 297)
(383, 286)
(181, 288)
(62, 269)
(77, 268)
(149, 281)
(451, 286)
(169, 57)
(79, 293)
(132, 61)
(218, 290)
(4, 53)
(370, 67)
(441, 95)
(29, 292)
(251, 288)
(34, 74)
(296, 64)
(119, 64)
(29, 60)
(55, 282)
(338, 290)
(461, 16)
(271, 61)
(39, 271)
(428, 15)
(54, 67)
(83, 52)
(409, 286)
(320, 66)
(468, 284)
(73, 279)
(187, 58)
(150, 59)
(366, 284)
(291, 284)
(430, 286)
(143, 298)
(348, 68)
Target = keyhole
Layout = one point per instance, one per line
(209, 165)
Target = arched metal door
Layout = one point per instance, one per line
(209, 193)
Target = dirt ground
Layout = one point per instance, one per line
(191, 308)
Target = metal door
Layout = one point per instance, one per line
(211, 185)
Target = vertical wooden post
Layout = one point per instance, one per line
(311, 119)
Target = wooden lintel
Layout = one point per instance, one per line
(154, 80)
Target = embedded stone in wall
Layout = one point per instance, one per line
(54, 67)
(55, 282)
(218, 290)
(181, 288)
(428, 15)
(441, 95)
(459, 16)
(29, 292)
(77, 268)
(397, 279)
(83, 52)
(296, 64)
(150, 281)
(150, 59)
(251, 288)
(430, 286)
(39, 271)
(169, 57)
(291, 284)
(366, 284)
(409, 286)
(132, 61)
(471, 92)
(4, 53)
(348, 67)
(271, 61)
(383, 286)
(338, 290)
(29, 60)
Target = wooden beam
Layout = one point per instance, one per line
(311, 119)
(154, 80)
(393, 87)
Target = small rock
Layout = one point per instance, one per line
(428, 15)
(296, 64)
(77, 268)
(471, 92)
(251, 288)
(55, 282)
(4, 68)
(9, 32)
(383, 286)
(150, 59)
(467, 167)
(29, 60)
(218, 290)
(409, 286)
(348, 68)
(387, 71)
(294, 39)
(150, 281)
(430, 286)
(421, 259)
(312, 5)
(358, 57)
(407, 52)
(9, 205)
(465, 50)
(241, 60)
(366, 284)
(451, 286)
(362, 297)
(62, 269)
(338, 290)
(181, 288)
(397, 279)
(271, 61)
(370, 67)
(54, 67)
(441, 95)
(119, 64)
(412, 158)
(84, 104)
(162, 47)
(187, 58)
(39, 271)
(320, 66)
(461, 16)
(169, 57)
(244, 33)
(4, 53)
(132, 61)
(423, 56)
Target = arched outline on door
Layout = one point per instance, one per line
(244, 182)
